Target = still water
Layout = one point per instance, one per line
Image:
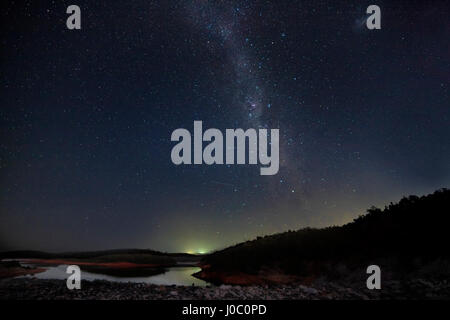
(180, 276)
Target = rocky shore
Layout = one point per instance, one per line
(36, 289)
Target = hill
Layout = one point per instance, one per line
(403, 238)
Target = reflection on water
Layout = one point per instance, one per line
(181, 276)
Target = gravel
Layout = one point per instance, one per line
(38, 289)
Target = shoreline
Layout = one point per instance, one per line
(16, 272)
(246, 279)
(39, 289)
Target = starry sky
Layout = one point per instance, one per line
(86, 117)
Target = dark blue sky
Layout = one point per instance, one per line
(86, 117)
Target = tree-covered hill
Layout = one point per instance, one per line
(414, 229)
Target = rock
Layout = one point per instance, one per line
(308, 290)
(225, 287)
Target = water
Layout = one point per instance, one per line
(181, 276)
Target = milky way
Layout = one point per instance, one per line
(225, 25)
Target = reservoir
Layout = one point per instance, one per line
(180, 276)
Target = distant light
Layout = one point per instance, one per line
(199, 251)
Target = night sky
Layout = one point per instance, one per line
(86, 117)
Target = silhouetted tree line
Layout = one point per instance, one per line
(416, 228)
